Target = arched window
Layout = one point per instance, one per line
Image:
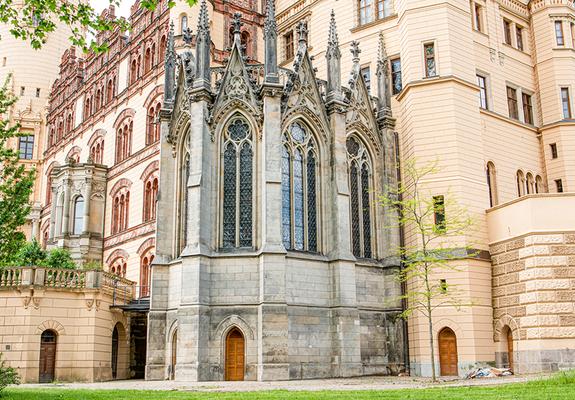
(150, 194)
(539, 184)
(184, 173)
(146, 273)
(110, 90)
(124, 140)
(153, 124)
(237, 182)
(49, 187)
(530, 184)
(120, 211)
(183, 23)
(97, 151)
(51, 137)
(246, 43)
(98, 100)
(299, 189)
(162, 48)
(78, 216)
(520, 183)
(147, 60)
(87, 108)
(68, 124)
(118, 267)
(491, 184)
(133, 72)
(360, 189)
(59, 214)
(60, 130)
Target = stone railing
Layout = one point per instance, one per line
(117, 287)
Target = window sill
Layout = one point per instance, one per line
(305, 255)
(370, 24)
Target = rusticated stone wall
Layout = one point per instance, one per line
(534, 297)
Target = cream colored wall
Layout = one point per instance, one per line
(83, 322)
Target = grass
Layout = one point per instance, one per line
(560, 386)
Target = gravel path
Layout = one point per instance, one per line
(362, 383)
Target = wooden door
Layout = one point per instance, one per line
(115, 343)
(174, 354)
(234, 356)
(510, 348)
(447, 352)
(47, 356)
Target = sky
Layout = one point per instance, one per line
(122, 11)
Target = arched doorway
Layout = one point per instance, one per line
(235, 355)
(115, 343)
(447, 352)
(47, 356)
(174, 354)
(509, 339)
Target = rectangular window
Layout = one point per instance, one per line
(559, 33)
(566, 103)
(507, 31)
(384, 8)
(37, 92)
(396, 75)
(288, 40)
(4, 61)
(512, 102)
(439, 213)
(572, 35)
(482, 83)
(443, 285)
(559, 185)
(365, 11)
(26, 147)
(477, 15)
(430, 67)
(527, 109)
(519, 34)
(365, 72)
(554, 153)
(22, 90)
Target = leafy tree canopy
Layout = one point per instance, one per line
(33, 20)
(16, 182)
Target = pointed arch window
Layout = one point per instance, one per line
(299, 189)
(124, 140)
(153, 125)
(97, 152)
(539, 184)
(237, 182)
(520, 183)
(360, 190)
(146, 273)
(183, 197)
(530, 184)
(119, 267)
(120, 211)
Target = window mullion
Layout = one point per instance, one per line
(305, 200)
(360, 210)
(237, 216)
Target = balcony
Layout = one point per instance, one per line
(122, 291)
(534, 213)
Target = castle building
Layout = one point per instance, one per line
(232, 171)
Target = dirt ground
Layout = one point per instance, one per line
(362, 383)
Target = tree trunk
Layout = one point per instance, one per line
(430, 322)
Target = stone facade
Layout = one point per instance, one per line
(533, 300)
(315, 314)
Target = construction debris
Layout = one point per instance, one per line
(489, 372)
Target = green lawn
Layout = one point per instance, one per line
(561, 386)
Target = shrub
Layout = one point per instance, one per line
(31, 254)
(59, 258)
(8, 375)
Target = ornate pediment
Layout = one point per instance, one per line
(236, 88)
(301, 92)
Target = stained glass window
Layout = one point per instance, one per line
(360, 190)
(286, 198)
(237, 182)
(299, 190)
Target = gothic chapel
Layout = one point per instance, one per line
(272, 256)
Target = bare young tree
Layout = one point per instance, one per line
(433, 226)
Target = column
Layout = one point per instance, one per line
(66, 210)
(87, 202)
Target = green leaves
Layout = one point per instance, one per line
(16, 182)
(34, 20)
